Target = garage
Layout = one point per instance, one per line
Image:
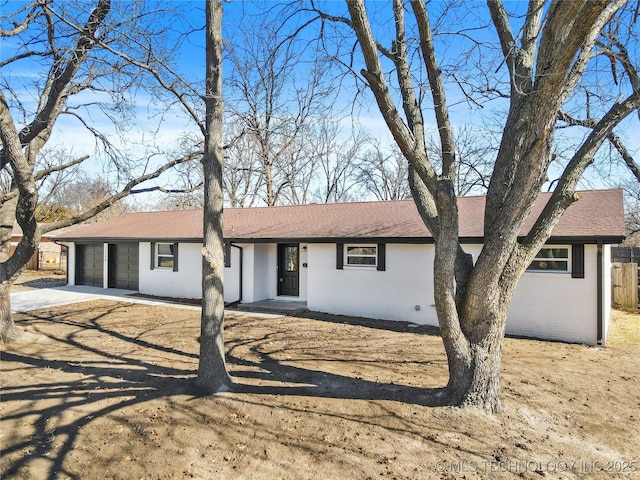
(123, 266)
(90, 264)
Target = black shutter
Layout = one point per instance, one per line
(382, 257)
(152, 265)
(175, 257)
(340, 256)
(227, 254)
(577, 261)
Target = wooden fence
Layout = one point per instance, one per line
(624, 285)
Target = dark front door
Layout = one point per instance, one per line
(123, 266)
(89, 266)
(288, 268)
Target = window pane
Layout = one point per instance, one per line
(361, 250)
(291, 259)
(165, 262)
(165, 249)
(553, 253)
(353, 260)
(550, 265)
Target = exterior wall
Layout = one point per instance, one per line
(557, 307)
(364, 291)
(185, 283)
(232, 278)
(105, 265)
(545, 305)
(606, 287)
(71, 263)
(264, 277)
(248, 254)
(304, 272)
(260, 273)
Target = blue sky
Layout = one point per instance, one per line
(191, 64)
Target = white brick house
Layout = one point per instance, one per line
(370, 259)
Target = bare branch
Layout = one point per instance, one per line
(57, 168)
(437, 91)
(124, 192)
(611, 137)
(563, 195)
(21, 27)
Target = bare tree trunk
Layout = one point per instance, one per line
(474, 372)
(8, 329)
(212, 370)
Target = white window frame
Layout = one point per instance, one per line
(348, 256)
(540, 258)
(159, 255)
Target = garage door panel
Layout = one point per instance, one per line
(90, 264)
(123, 266)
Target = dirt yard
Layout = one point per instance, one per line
(31, 279)
(104, 390)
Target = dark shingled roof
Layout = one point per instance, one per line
(598, 214)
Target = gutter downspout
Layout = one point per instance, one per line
(600, 315)
(240, 281)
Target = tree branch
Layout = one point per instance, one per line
(613, 139)
(57, 168)
(19, 28)
(437, 91)
(564, 193)
(127, 190)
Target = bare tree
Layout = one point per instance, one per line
(75, 47)
(242, 173)
(278, 89)
(73, 197)
(544, 61)
(334, 156)
(384, 173)
(212, 370)
(475, 151)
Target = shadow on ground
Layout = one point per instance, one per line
(86, 362)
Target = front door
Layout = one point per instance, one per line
(288, 267)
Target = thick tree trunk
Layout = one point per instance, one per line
(8, 329)
(474, 378)
(11, 265)
(212, 369)
(475, 363)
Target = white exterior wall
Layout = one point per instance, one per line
(71, 263)
(185, 283)
(556, 306)
(105, 265)
(263, 272)
(248, 254)
(364, 291)
(259, 271)
(545, 305)
(304, 272)
(232, 277)
(606, 288)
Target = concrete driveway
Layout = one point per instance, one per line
(23, 301)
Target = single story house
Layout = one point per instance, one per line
(370, 259)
